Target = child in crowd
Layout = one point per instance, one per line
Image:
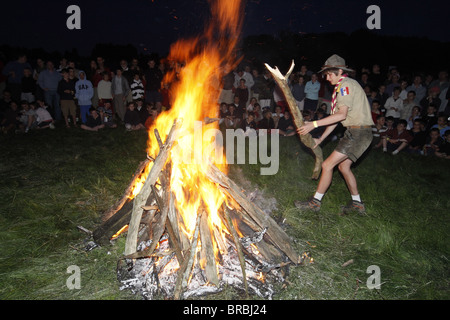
(249, 123)
(234, 117)
(277, 115)
(66, 91)
(11, 118)
(28, 117)
(28, 86)
(94, 122)
(84, 91)
(397, 139)
(444, 149)
(286, 125)
(394, 105)
(131, 119)
(442, 125)
(106, 114)
(419, 137)
(242, 93)
(376, 110)
(166, 96)
(415, 114)
(430, 118)
(142, 110)
(44, 118)
(267, 122)
(153, 114)
(251, 106)
(389, 123)
(104, 89)
(137, 87)
(433, 143)
(378, 130)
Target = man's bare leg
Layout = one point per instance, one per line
(327, 170)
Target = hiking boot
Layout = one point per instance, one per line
(354, 206)
(313, 204)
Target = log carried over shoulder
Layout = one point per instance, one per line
(307, 139)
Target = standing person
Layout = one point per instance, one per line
(48, 80)
(14, 71)
(153, 77)
(350, 107)
(312, 88)
(298, 91)
(84, 91)
(66, 90)
(120, 89)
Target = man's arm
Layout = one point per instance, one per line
(339, 116)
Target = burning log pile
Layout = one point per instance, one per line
(244, 248)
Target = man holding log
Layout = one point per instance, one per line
(350, 107)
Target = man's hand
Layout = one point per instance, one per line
(306, 128)
(317, 141)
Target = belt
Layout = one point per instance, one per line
(358, 127)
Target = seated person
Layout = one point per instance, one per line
(28, 117)
(419, 137)
(132, 119)
(390, 123)
(376, 110)
(43, 117)
(267, 121)
(249, 123)
(106, 114)
(11, 118)
(142, 110)
(286, 125)
(433, 143)
(153, 114)
(316, 133)
(430, 118)
(93, 122)
(277, 115)
(234, 118)
(397, 139)
(378, 130)
(444, 149)
(442, 124)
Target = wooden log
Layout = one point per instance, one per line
(276, 234)
(172, 238)
(269, 251)
(106, 230)
(141, 198)
(208, 251)
(186, 267)
(307, 139)
(157, 230)
(237, 244)
(127, 194)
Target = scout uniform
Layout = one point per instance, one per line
(358, 136)
(358, 122)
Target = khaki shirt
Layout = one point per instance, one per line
(351, 94)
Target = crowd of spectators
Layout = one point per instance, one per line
(410, 111)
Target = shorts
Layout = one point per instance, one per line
(355, 142)
(68, 107)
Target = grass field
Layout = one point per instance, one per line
(53, 181)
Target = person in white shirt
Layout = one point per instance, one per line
(394, 105)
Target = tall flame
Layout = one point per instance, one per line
(198, 67)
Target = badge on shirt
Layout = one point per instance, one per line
(344, 91)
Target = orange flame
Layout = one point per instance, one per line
(198, 66)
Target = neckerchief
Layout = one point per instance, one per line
(336, 89)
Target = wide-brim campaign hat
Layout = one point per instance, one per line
(335, 61)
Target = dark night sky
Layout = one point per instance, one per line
(156, 24)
